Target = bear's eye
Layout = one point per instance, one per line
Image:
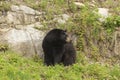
(64, 33)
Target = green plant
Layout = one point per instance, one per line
(4, 6)
(86, 24)
(114, 73)
(111, 23)
(32, 4)
(14, 66)
(3, 47)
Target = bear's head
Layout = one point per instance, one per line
(57, 36)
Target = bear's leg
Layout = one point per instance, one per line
(48, 60)
(57, 58)
(68, 59)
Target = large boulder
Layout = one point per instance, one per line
(26, 40)
(18, 32)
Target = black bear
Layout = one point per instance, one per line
(56, 48)
(69, 55)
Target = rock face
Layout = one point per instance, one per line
(26, 41)
(17, 30)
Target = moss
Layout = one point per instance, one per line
(4, 6)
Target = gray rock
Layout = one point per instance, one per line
(39, 13)
(27, 41)
(4, 26)
(13, 18)
(61, 19)
(78, 4)
(27, 10)
(15, 8)
(104, 13)
(65, 17)
(19, 18)
(17, 30)
(2, 19)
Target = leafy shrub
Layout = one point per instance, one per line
(4, 6)
(3, 47)
(111, 23)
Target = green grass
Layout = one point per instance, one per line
(16, 67)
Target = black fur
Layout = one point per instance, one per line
(57, 49)
(69, 55)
